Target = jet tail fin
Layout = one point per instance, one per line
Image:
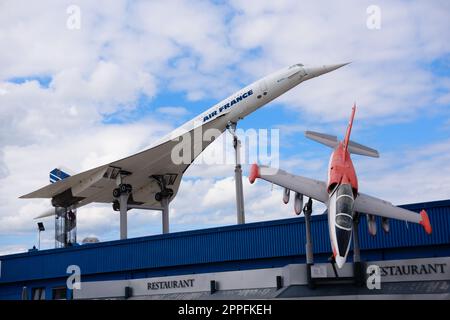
(362, 150)
(349, 128)
(57, 175)
(332, 142)
(354, 147)
(326, 139)
(349, 145)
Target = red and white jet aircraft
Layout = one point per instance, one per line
(340, 194)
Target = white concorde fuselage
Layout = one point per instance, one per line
(253, 96)
(92, 185)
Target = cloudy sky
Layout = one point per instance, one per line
(132, 71)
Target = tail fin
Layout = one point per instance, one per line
(57, 175)
(357, 148)
(350, 146)
(326, 139)
(349, 128)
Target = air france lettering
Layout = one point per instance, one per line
(227, 105)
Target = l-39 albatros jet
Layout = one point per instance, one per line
(150, 179)
(340, 193)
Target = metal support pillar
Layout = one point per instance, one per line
(24, 293)
(239, 195)
(122, 193)
(163, 197)
(309, 248)
(357, 265)
(238, 174)
(123, 201)
(307, 211)
(165, 214)
(356, 251)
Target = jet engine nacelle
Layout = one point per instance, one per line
(286, 194)
(372, 224)
(298, 204)
(385, 224)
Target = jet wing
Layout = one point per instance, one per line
(97, 184)
(374, 206)
(60, 186)
(309, 187)
(318, 190)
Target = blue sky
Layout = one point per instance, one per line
(135, 70)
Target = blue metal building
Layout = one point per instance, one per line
(239, 247)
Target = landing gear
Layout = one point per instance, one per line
(116, 205)
(166, 193)
(163, 197)
(123, 188)
(123, 200)
(121, 195)
(116, 193)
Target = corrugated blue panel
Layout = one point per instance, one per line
(409, 234)
(264, 240)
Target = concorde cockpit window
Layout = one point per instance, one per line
(296, 65)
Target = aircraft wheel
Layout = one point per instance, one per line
(123, 188)
(116, 206)
(158, 196)
(116, 193)
(129, 188)
(169, 193)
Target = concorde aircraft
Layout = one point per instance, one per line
(340, 193)
(150, 179)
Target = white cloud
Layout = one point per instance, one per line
(388, 76)
(418, 174)
(173, 111)
(10, 249)
(215, 203)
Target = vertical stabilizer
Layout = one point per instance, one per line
(349, 128)
(57, 175)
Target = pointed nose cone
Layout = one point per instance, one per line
(332, 67)
(340, 261)
(313, 72)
